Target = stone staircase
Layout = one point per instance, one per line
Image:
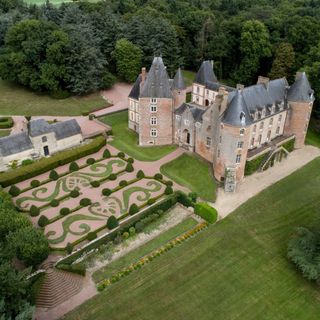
(58, 286)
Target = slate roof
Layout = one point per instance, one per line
(15, 144)
(135, 91)
(216, 85)
(205, 73)
(66, 129)
(178, 81)
(236, 110)
(300, 89)
(194, 109)
(62, 129)
(157, 83)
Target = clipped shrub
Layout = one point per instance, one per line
(158, 176)
(26, 162)
(95, 184)
(130, 160)
(91, 236)
(64, 211)
(69, 248)
(43, 221)
(78, 268)
(125, 235)
(54, 203)
(74, 193)
(85, 202)
(112, 176)
(206, 212)
(133, 209)
(193, 196)
(139, 226)
(14, 191)
(73, 166)
(109, 132)
(106, 154)
(168, 190)
(129, 167)
(140, 174)
(112, 222)
(106, 192)
(45, 164)
(34, 211)
(121, 155)
(90, 161)
(185, 200)
(123, 183)
(132, 231)
(151, 201)
(35, 183)
(53, 175)
(169, 183)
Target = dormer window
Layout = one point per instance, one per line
(263, 113)
(243, 118)
(242, 131)
(153, 100)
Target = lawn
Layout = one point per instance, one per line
(145, 249)
(127, 141)
(235, 270)
(189, 77)
(16, 100)
(4, 133)
(194, 173)
(313, 134)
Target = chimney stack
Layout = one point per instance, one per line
(263, 80)
(240, 86)
(298, 75)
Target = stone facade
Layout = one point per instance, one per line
(223, 125)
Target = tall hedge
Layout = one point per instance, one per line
(46, 164)
(206, 212)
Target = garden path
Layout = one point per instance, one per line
(255, 183)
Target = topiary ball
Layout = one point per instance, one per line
(35, 183)
(64, 211)
(95, 184)
(74, 193)
(158, 176)
(106, 154)
(133, 209)
(140, 174)
(43, 221)
(123, 183)
(85, 202)
(106, 192)
(73, 166)
(14, 191)
(112, 222)
(121, 155)
(112, 176)
(34, 211)
(54, 203)
(129, 167)
(90, 161)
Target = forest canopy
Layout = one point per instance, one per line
(72, 48)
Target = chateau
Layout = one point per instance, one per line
(229, 127)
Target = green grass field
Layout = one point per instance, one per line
(234, 270)
(16, 100)
(189, 77)
(313, 134)
(194, 173)
(127, 141)
(145, 249)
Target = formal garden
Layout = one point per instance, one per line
(75, 202)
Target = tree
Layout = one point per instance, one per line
(128, 59)
(283, 61)
(254, 46)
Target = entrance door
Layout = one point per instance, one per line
(46, 150)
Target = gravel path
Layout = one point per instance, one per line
(252, 185)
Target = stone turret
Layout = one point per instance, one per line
(300, 100)
(178, 89)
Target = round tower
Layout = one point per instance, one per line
(300, 100)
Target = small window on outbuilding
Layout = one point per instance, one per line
(44, 139)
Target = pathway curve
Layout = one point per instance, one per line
(252, 185)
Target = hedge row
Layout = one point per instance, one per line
(163, 205)
(149, 257)
(6, 122)
(289, 146)
(46, 164)
(206, 212)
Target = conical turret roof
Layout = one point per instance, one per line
(178, 81)
(237, 113)
(300, 90)
(205, 73)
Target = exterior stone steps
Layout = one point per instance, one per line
(58, 286)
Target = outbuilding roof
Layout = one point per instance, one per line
(15, 144)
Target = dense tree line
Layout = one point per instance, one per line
(79, 47)
(18, 240)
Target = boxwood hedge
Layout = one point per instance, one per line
(46, 164)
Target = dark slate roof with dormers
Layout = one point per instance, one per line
(62, 129)
(178, 81)
(157, 83)
(205, 73)
(135, 91)
(300, 89)
(216, 85)
(237, 108)
(195, 110)
(15, 143)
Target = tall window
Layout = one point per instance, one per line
(153, 121)
(153, 100)
(208, 141)
(153, 132)
(240, 144)
(44, 139)
(260, 138)
(186, 122)
(261, 125)
(241, 131)
(238, 158)
(252, 142)
(271, 122)
(280, 118)
(218, 153)
(153, 108)
(220, 139)
(269, 135)
(254, 128)
(278, 130)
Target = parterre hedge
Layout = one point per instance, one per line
(6, 122)
(46, 164)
